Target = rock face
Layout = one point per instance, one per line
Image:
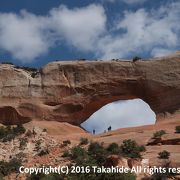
(71, 91)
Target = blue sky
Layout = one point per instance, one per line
(35, 32)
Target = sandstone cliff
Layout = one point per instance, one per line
(70, 91)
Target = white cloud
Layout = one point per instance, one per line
(142, 32)
(159, 52)
(80, 27)
(120, 114)
(27, 36)
(23, 35)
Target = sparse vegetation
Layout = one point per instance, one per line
(136, 58)
(28, 133)
(8, 133)
(131, 149)
(43, 152)
(7, 63)
(82, 59)
(44, 130)
(66, 153)
(159, 134)
(95, 155)
(8, 167)
(66, 142)
(177, 129)
(22, 143)
(164, 155)
(31, 69)
(113, 148)
(83, 141)
(38, 145)
(98, 152)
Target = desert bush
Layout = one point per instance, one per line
(27, 68)
(164, 154)
(23, 143)
(177, 129)
(159, 134)
(7, 133)
(83, 141)
(113, 148)
(8, 167)
(38, 145)
(82, 59)
(94, 156)
(33, 74)
(7, 63)
(98, 152)
(77, 151)
(66, 153)
(131, 149)
(28, 133)
(43, 152)
(136, 58)
(44, 130)
(66, 142)
(42, 176)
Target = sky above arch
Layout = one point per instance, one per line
(36, 32)
(120, 114)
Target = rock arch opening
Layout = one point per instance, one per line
(120, 114)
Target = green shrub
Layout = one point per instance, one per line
(19, 129)
(38, 145)
(42, 176)
(77, 151)
(79, 155)
(66, 154)
(23, 143)
(66, 142)
(28, 133)
(131, 149)
(44, 130)
(84, 141)
(177, 129)
(7, 133)
(8, 167)
(7, 63)
(136, 58)
(97, 152)
(159, 134)
(27, 68)
(113, 148)
(164, 155)
(43, 152)
(142, 148)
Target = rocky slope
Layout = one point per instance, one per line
(71, 91)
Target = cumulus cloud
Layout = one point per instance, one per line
(120, 114)
(27, 36)
(159, 52)
(142, 31)
(80, 27)
(24, 35)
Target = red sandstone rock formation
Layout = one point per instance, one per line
(71, 91)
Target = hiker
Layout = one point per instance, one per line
(94, 131)
(109, 128)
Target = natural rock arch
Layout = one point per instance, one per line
(71, 91)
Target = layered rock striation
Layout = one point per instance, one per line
(70, 91)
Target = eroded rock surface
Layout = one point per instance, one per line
(71, 91)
